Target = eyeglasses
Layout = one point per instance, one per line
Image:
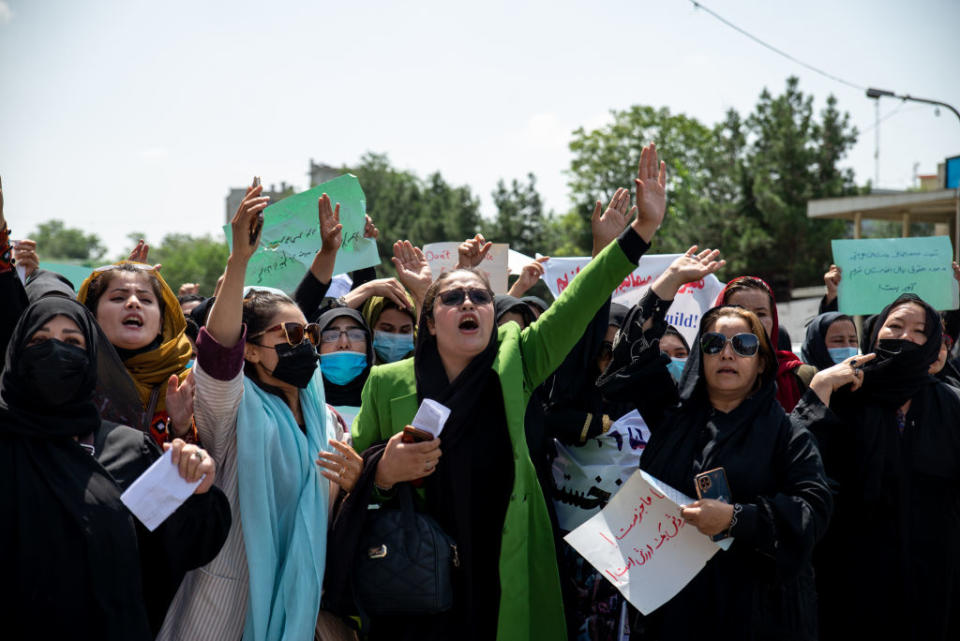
(294, 332)
(455, 297)
(743, 344)
(354, 335)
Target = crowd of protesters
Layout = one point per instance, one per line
(294, 413)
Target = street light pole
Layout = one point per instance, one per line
(876, 94)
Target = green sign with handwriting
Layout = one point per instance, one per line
(291, 236)
(877, 270)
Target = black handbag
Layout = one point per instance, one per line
(404, 561)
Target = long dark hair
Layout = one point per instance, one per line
(259, 308)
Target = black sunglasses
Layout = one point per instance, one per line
(743, 344)
(455, 297)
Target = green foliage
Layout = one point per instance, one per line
(56, 241)
(741, 186)
(520, 219)
(190, 259)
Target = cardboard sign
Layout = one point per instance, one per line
(642, 545)
(291, 236)
(443, 257)
(691, 301)
(877, 270)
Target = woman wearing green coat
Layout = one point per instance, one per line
(479, 482)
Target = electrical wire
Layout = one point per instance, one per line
(786, 55)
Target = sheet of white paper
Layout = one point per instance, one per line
(158, 492)
(431, 417)
(640, 543)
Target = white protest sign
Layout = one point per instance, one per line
(443, 258)
(642, 545)
(691, 301)
(587, 476)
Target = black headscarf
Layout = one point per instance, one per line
(814, 350)
(504, 303)
(901, 367)
(64, 515)
(348, 394)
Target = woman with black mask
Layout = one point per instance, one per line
(888, 432)
(78, 565)
(726, 415)
(260, 408)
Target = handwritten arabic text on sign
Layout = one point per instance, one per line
(640, 543)
(878, 270)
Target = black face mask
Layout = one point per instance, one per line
(296, 365)
(55, 370)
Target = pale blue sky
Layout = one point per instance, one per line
(135, 115)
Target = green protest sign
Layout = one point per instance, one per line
(877, 270)
(291, 236)
(76, 274)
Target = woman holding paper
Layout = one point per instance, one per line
(78, 565)
(890, 563)
(480, 482)
(261, 411)
(726, 415)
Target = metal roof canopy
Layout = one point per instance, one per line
(940, 206)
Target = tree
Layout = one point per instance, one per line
(520, 218)
(190, 259)
(56, 241)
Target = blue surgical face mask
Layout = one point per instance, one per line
(342, 367)
(840, 354)
(392, 347)
(676, 367)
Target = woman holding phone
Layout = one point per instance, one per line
(726, 415)
(480, 482)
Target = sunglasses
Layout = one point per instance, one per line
(743, 344)
(294, 332)
(455, 297)
(354, 335)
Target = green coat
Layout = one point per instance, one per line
(530, 603)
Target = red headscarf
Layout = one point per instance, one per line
(788, 388)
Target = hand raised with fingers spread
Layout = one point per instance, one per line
(246, 221)
(413, 269)
(331, 231)
(651, 184)
(472, 251)
(139, 254)
(608, 225)
(688, 268)
(529, 275)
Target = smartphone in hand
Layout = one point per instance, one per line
(712, 484)
(258, 225)
(412, 434)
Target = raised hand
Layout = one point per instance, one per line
(472, 250)
(386, 287)
(529, 276)
(189, 289)
(25, 254)
(413, 269)
(369, 229)
(651, 184)
(610, 223)
(139, 254)
(193, 463)
(832, 280)
(331, 231)
(688, 268)
(180, 403)
(246, 226)
(850, 371)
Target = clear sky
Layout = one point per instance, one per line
(135, 115)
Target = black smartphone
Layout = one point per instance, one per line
(712, 484)
(257, 226)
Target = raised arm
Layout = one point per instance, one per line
(311, 290)
(226, 317)
(13, 298)
(547, 341)
(413, 270)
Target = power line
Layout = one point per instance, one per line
(786, 55)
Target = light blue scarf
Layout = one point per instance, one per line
(283, 510)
